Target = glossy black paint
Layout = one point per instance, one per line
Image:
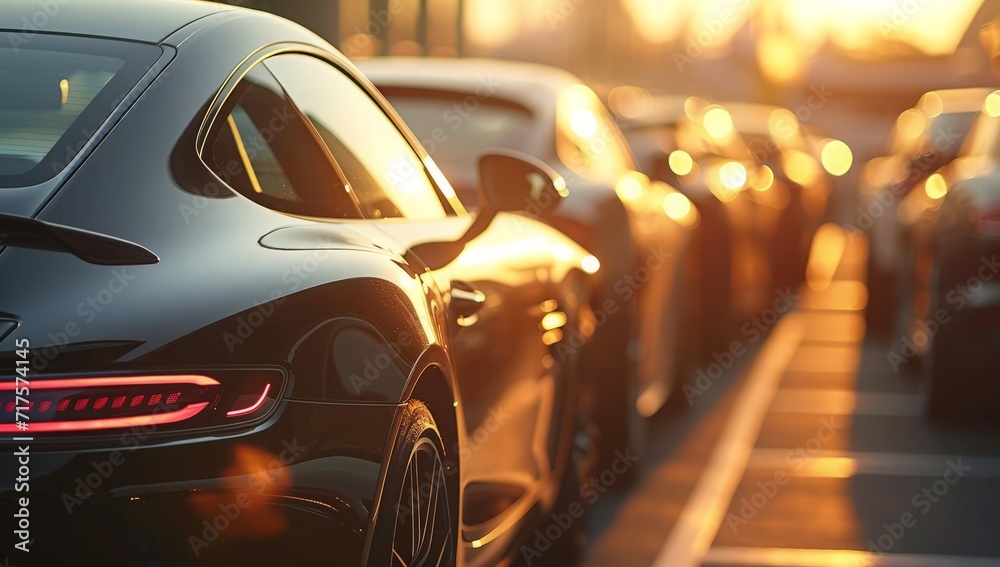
(345, 308)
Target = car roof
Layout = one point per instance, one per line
(149, 20)
(531, 85)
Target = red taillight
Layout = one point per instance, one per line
(249, 404)
(111, 402)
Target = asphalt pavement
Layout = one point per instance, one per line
(812, 450)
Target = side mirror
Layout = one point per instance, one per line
(508, 181)
(512, 181)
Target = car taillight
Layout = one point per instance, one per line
(987, 224)
(168, 401)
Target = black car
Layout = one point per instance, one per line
(245, 320)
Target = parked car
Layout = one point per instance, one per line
(246, 320)
(639, 230)
(693, 145)
(923, 139)
(951, 224)
(781, 142)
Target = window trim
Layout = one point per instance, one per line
(449, 201)
(269, 201)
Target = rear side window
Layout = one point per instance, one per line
(384, 172)
(263, 147)
(55, 92)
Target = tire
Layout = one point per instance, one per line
(880, 316)
(417, 523)
(944, 367)
(788, 250)
(715, 274)
(622, 429)
(689, 341)
(568, 550)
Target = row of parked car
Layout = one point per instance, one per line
(266, 312)
(700, 214)
(932, 208)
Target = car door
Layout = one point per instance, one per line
(504, 352)
(590, 142)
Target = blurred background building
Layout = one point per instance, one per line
(846, 68)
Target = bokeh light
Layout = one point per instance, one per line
(718, 123)
(837, 157)
(680, 162)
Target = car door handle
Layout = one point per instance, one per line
(466, 300)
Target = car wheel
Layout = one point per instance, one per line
(420, 526)
(621, 427)
(689, 340)
(882, 300)
(942, 363)
(714, 259)
(567, 550)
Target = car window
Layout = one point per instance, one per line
(451, 138)
(55, 92)
(264, 148)
(386, 175)
(457, 140)
(588, 139)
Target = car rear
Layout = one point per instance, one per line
(129, 433)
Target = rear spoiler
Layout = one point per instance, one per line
(92, 247)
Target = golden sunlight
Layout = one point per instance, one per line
(491, 23)
(659, 21)
(934, 27)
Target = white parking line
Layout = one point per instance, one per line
(699, 522)
(847, 402)
(844, 464)
(767, 557)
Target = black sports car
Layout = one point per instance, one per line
(245, 320)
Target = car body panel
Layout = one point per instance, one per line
(343, 307)
(151, 22)
(625, 234)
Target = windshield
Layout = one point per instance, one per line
(456, 129)
(57, 90)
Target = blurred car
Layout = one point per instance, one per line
(695, 146)
(253, 327)
(779, 141)
(951, 224)
(924, 139)
(638, 230)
